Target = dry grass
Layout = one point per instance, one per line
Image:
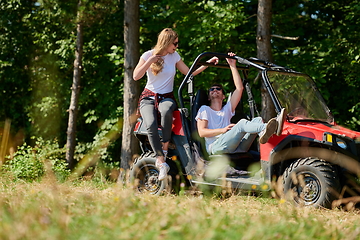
(84, 210)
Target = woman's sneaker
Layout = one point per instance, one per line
(164, 169)
(157, 163)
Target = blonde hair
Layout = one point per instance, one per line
(165, 38)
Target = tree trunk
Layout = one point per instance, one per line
(4, 141)
(75, 90)
(264, 51)
(131, 88)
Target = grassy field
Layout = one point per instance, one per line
(88, 210)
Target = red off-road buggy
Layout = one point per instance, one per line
(315, 160)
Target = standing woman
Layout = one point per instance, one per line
(160, 66)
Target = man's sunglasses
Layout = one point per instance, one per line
(213, 88)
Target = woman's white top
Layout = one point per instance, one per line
(164, 81)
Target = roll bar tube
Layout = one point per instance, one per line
(189, 77)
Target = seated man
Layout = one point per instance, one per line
(213, 122)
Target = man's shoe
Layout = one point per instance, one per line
(230, 172)
(280, 120)
(164, 169)
(270, 129)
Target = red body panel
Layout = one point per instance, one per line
(137, 125)
(313, 130)
(177, 126)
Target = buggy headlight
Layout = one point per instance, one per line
(341, 143)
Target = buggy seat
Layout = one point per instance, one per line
(201, 98)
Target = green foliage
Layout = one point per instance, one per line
(327, 49)
(38, 74)
(103, 143)
(31, 163)
(15, 54)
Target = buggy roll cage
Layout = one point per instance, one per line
(261, 65)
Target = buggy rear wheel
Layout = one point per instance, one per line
(145, 175)
(311, 182)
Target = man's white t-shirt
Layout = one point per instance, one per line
(216, 119)
(164, 81)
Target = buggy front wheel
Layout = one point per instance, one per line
(311, 182)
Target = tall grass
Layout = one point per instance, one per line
(89, 210)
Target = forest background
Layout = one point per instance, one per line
(37, 45)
